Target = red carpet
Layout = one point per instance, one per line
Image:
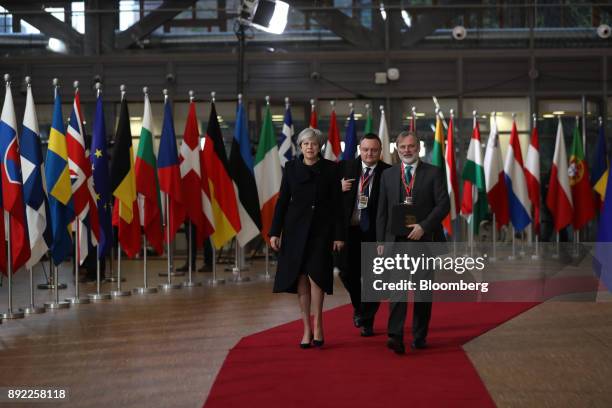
(268, 369)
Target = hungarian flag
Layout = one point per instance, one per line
(601, 167)
(57, 176)
(123, 186)
(100, 174)
(313, 123)
(451, 178)
(332, 148)
(286, 148)
(532, 176)
(497, 192)
(80, 175)
(226, 218)
(12, 190)
(34, 194)
(241, 166)
(518, 197)
(268, 173)
(191, 176)
(147, 183)
(169, 174)
(350, 140)
(559, 197)
(474, 199)
(582, 194)
(383, 134)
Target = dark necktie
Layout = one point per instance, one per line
(364, 217)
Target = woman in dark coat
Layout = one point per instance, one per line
(306, 229)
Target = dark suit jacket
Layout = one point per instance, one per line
(352, 169)
(431, 201)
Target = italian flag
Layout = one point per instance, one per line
(268, 173)
(474, 200)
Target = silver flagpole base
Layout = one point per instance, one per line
(12, 315)
(99, 296)
(165, 274)
(240, 279)
(113, 279)
(511, 257)
(57, 305)
(120, 293)
(169, 286)
(77, 300)
(46, 286)
(191, 284)
(144, 291)
(536, 257)
(215, 282)
(266, 277)
(34, 309)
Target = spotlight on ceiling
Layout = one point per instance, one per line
(265, 15)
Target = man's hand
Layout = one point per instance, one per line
(275, 243)
(338, 245)
(416, 233)
(347, 184)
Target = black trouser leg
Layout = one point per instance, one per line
(422, 309)
(208, 258)
(368, 312)
(350, 273)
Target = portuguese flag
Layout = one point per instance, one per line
(147, 183)
(582, 195)
(123, 186)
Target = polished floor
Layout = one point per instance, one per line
(164, 350)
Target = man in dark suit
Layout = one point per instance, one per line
(422, 186)
(360, 186)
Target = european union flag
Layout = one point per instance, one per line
(57, 175)
(99, 163)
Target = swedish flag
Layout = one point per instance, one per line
(57, 176)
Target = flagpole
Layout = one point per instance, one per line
(190, 283)
(512, 257)
(32, 308)
(49, 284)
(494, 257)
(145, 289)
(77, 257)
(168, 285)
(267, 275)
(214, 281)
(10, 314)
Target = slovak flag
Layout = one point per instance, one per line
(12, 190)
(518, 196)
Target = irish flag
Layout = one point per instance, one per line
(268, 172)
(474, 200)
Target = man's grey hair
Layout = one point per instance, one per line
(406, 133)
(311, 133)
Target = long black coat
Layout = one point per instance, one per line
(309, 218)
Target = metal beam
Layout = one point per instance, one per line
(348, 28)
(166, 11)
(46, 23)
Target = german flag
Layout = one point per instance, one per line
(123, 185)
(221, 187)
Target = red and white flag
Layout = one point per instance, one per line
(559, 197)
(497, 192)
(532, 176)
(332, 148)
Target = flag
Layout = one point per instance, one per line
(474, 199)
(80, 177)
(147, 183)
(559, 197)
(12, 190)
(268, 173)
(123, 185)
(286, 148)
(313, 116)
(57, 175)
(437, 159)
(191, 177)
(169, 173)
(226, 218)
(603, 254)
(209, 218)
(412, 126)
(34, 195)
(497, 192)
(601, 166)
(332, 148)
(383, 134)
(451, 178)
(532, 176)
(582, 194)
(514, 172)
(100, 175)
(350, 140)
(241, 166)
(368, 122)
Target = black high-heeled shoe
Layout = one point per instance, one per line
(307, 345)
(318, 343)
